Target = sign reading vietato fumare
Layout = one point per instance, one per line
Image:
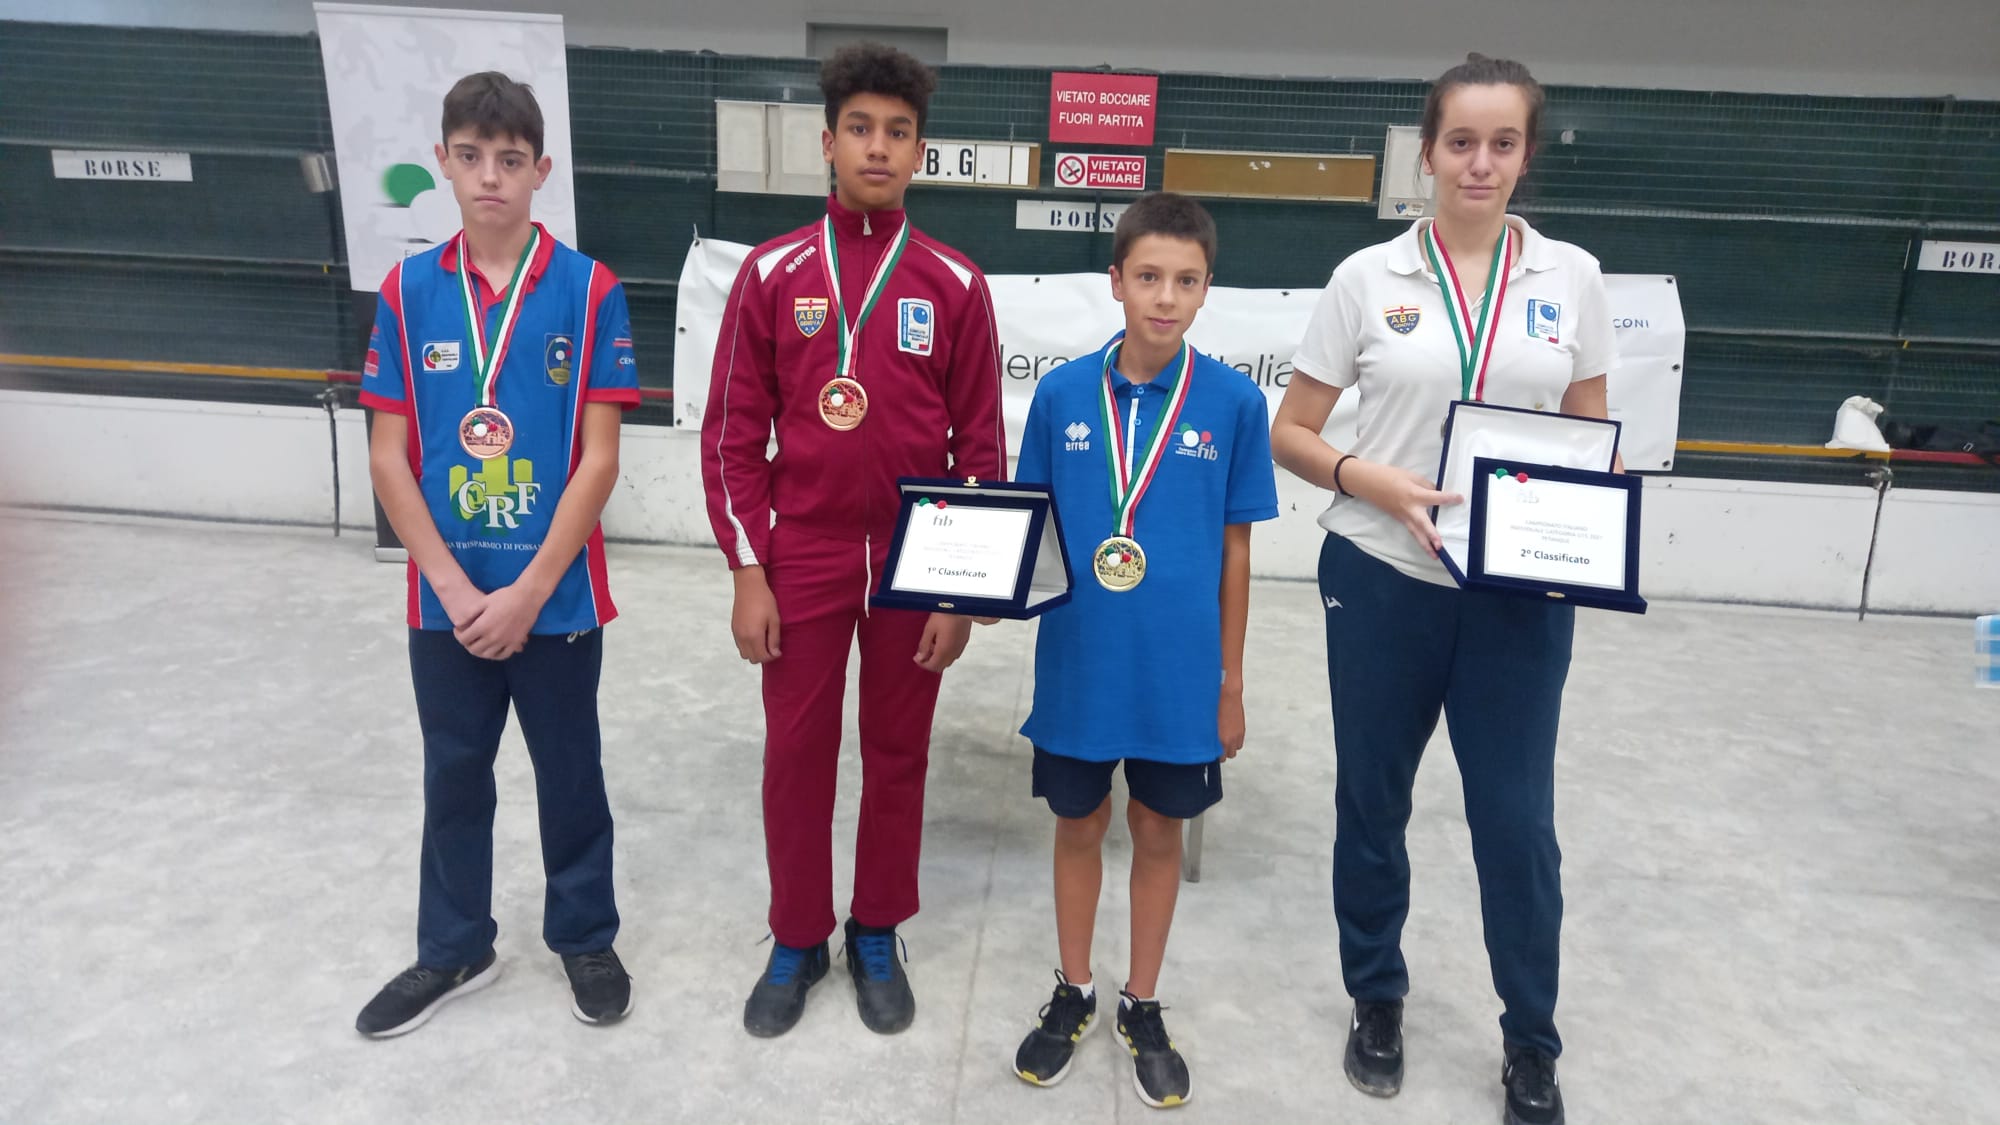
(1090, 171)
(1103, 109)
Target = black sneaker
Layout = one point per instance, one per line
(1375, 1048)
(601, 986)
(780, 996)
(881, 989)
(1533, 1098)
(1159, 1072)
(406, 1002)
(1048, 1050)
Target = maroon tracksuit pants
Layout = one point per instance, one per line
(822, 588)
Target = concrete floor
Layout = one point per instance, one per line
(1783, 873)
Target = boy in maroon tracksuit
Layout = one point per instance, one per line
(870, 348)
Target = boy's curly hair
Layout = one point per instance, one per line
(875, 68)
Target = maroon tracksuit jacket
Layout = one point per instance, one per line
(818, 515)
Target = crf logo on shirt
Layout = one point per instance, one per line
(501, 492)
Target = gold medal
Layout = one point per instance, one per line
(486, 433)
(842, 403)
(1119, 563)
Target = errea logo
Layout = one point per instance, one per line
(1079, 437)
(800, 258)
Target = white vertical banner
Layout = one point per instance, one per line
(1644, 390)
(387, 72)
(1048, 320)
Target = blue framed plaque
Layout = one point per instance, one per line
(977, 549)
(1574, 455)
(1543, 531)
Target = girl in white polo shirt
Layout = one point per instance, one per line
(1472, 304)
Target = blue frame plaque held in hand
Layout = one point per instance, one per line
(1544, 517)
(976, 549)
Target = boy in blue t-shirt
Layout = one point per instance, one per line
(498, 373)
(1160, 459)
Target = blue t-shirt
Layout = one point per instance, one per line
(571, 345)
(1138, 674)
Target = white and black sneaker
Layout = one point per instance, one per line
(1533, 1097)
(1045, 1055)
(406, 1002)
(1374, 1061)
(599, 985)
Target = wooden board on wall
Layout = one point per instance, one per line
(1343, 178)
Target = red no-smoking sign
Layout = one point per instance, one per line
(1099, 172)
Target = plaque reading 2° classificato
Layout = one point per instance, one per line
(1544, 517)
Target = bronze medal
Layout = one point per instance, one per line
(842, 404)
(486, 433)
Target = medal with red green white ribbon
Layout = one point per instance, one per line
(843, 402)
(485, 432)
(1119, 562)
(1475, 339)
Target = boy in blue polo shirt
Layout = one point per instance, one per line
(499, 370)
(1160, 459)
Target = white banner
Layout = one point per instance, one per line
(1645, 388)
(387, 71)
(1045, 321)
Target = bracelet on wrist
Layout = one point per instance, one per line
(1337, 466)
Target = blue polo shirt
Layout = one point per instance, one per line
(572, 345)
(1139, 674)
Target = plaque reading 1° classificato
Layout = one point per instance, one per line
(982, 550)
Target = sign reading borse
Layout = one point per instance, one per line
(1103, 109)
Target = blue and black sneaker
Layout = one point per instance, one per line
(1159, 1072)
(780, 996)
(881, 989)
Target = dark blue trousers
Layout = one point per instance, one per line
(1399, 650)
(462, 706)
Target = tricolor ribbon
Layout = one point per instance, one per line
(830, 260)
(486, 362)
(1129, 482)
(1475, 340)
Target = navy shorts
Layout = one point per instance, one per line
(1075, 788)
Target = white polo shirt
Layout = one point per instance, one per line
(1381, 327)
